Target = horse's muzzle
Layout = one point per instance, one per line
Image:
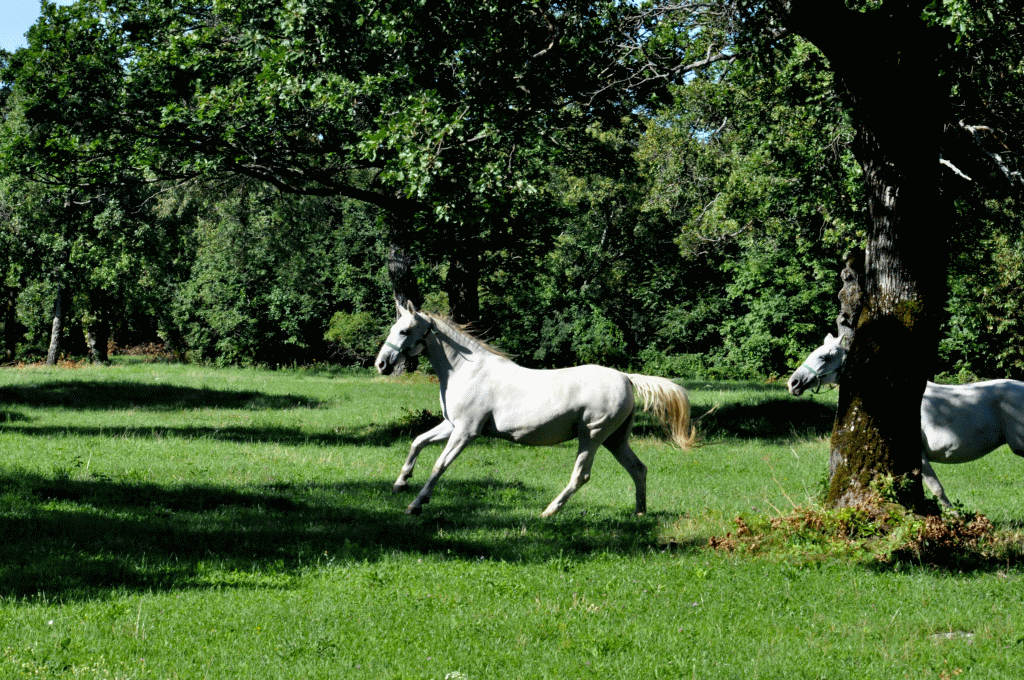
(386, 361)
(794, 387)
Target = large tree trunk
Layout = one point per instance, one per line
(55, 329)
(886, 68)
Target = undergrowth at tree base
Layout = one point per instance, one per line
(877, 531)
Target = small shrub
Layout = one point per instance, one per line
(150, 352)
(656, 362)
(880, 532)
(355, 337)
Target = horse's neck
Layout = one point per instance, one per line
(450, 350)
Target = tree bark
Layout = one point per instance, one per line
(58, 324)
(851, 299)
(890, 85)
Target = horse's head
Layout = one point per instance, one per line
(820, 368)
(407, 338)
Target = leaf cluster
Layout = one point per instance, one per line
(413, 105)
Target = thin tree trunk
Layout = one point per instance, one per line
(13, 330)
(463, 287)
(404, 286)
(405, 289)
(58, 324)
(97, 335)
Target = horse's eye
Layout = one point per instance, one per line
(403, 332)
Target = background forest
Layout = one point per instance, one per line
(505, 162)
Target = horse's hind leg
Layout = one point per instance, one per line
(618, 444)
(436, 434)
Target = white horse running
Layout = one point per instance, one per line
(483, 392)
(959, 423)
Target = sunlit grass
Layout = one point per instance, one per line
(179, 521)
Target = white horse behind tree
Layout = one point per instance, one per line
(483, 392)
(959, 423)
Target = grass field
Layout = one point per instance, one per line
(175, 521)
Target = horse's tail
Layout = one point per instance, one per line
(669, 403)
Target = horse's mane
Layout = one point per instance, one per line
(465, 330)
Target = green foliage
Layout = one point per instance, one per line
(780, 293)
(654, 361)
(268, 273)
(755, 169)
(983, 333)
(691, 225)
(445, 103)
(758, 152)
(356, 336)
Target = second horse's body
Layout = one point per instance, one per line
(959, 423)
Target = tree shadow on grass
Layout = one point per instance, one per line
(96, 395)
(777, 387)
(769, 419)
(88, 538)
(403, 429)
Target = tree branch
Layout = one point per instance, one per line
(1012, 176)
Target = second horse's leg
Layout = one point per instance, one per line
(934, 485)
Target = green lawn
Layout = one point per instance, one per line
(174, 521)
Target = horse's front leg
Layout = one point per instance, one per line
(431, 436)
(580, 476)
(456, 443)
(934, 485)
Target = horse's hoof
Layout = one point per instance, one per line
(413, 510)
(399, 488)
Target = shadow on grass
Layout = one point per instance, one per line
(402, 429)
(777, 387)
(770, 419)
(98, 395)
(87, 538)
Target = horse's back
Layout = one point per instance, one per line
(549, 406)
(1010, 402)
(961, 423)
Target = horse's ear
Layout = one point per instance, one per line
(830, 339)
(410, 307)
